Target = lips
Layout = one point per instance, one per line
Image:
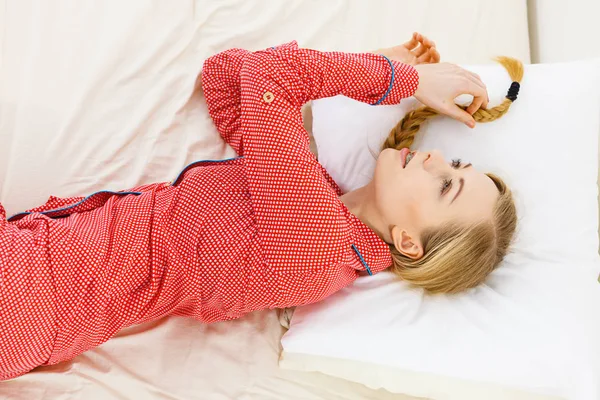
(403, 154)
(406, 155)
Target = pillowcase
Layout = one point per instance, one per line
(532, 328)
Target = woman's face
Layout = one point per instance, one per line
(427, 192)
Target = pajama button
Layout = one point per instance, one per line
(268, 97)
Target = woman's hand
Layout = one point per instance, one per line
(440, 84)
(418, 50)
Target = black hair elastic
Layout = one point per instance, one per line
(513, 91)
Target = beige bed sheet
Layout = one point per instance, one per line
(101, 95)
(178, 358)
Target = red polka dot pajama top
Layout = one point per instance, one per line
(262, 230)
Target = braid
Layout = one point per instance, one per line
(403, 134)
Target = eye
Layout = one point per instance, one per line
(457, 163)
(446, 184)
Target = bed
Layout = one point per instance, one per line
(103, 95)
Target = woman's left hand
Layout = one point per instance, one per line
(418, 50)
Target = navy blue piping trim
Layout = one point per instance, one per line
(117, 193)
(362, 260)
(197, 162)
(391, 82)
(73, 205)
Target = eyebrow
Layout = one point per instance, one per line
(461, 183)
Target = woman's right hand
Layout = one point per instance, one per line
(440, 84)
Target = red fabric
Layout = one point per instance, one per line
(263, 230)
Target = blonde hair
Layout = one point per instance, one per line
(457, 257)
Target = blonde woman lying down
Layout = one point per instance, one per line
(266, 229)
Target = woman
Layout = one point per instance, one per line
(263, 230)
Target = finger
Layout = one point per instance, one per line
(475, 90)
(431, 56)
(425, 58)
(475, 105)
(428, 42)
(412, 43)
(476, 79)
(422, 40)
(460, 115)
(435, 55)
(419, 51)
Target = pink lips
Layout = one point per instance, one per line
(403, 154)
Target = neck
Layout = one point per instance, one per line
(361, 203)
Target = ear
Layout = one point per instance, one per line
(407, 244)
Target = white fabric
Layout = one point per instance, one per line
(535, 324)
(563, 33)
(100, 95)
(560, 33)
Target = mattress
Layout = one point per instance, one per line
(103, 95)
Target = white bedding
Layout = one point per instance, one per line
(100, 95)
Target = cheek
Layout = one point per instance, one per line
(401, 197)
(418, 196)
(407, 195)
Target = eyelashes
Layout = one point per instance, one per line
(446, 185)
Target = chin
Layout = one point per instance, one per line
(383, 163)
(389, 159)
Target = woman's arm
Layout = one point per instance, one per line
(255, 101)
(221, 78)
(301, 222)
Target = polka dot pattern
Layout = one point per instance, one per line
(262, 230)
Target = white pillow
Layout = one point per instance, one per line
(534, 326)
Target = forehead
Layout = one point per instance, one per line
(479, 195)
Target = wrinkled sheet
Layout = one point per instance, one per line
(102, 95)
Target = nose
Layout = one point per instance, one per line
(434, 161)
